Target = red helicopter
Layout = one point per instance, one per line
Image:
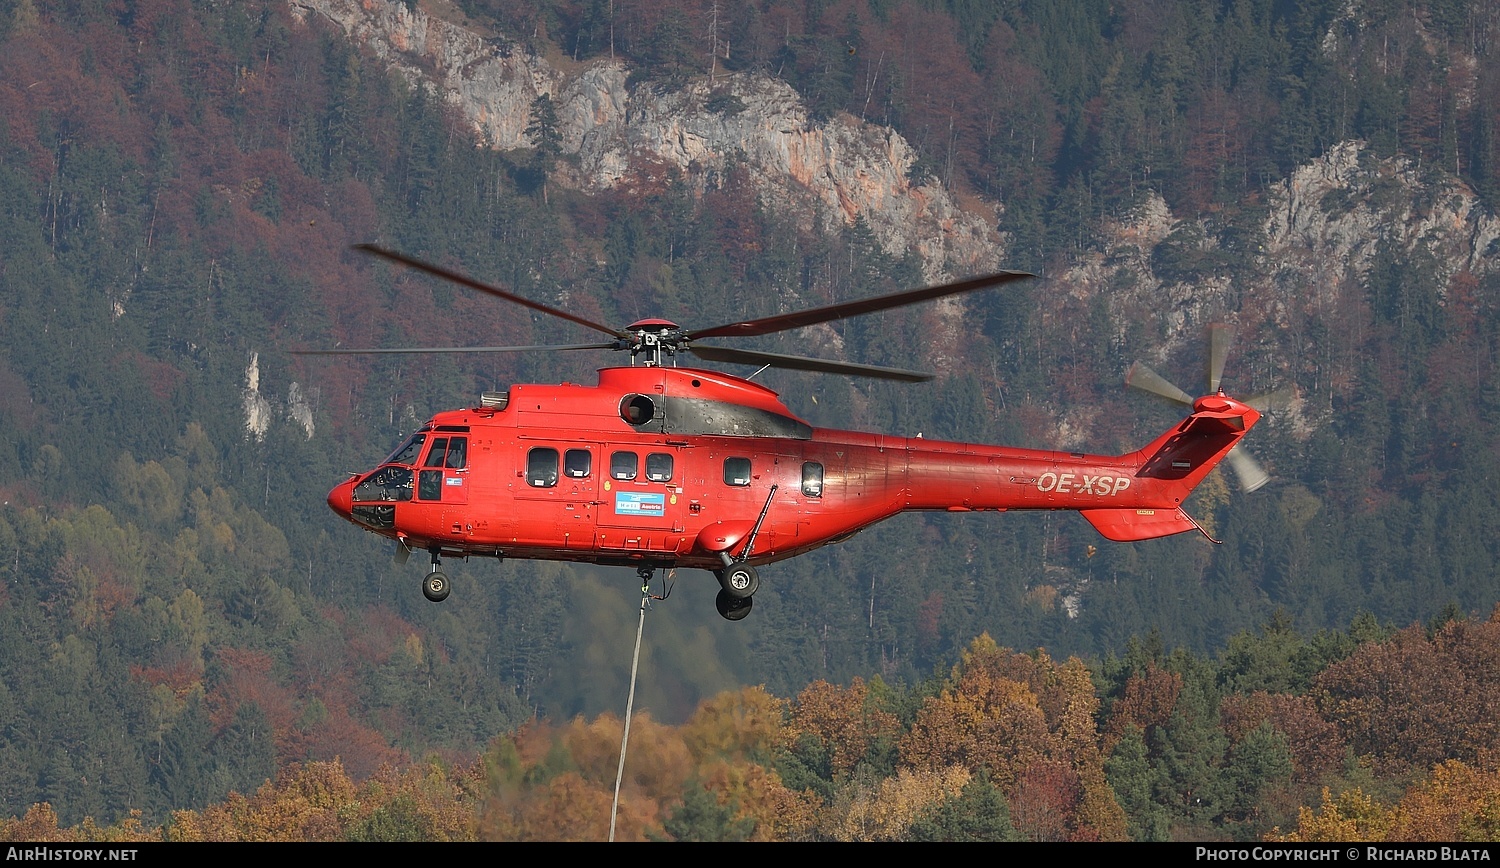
(659, 466)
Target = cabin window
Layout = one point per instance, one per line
(430, 484)
(541, 467)
(659, 467)
(812, 479)
(736, 471)
(623, 465)
(458, 453)
(577, 463)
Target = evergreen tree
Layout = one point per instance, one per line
(183, 767)
(702, 817)
(1136, 782)
(978, 813)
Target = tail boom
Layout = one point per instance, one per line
(1135, 496)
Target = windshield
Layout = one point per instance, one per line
(409, 450)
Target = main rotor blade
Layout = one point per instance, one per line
(1219, 337)
(416, 350)
(803, 363)
(1251, 474)
(1147, 380)
(471, 283)
(1276, 400)
(782, 322)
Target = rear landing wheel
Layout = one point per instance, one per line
(435, 587)
(732, 608)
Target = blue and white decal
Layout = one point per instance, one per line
(640, 503)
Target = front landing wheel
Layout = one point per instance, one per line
(435, 587)
(732, 608)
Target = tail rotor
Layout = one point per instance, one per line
(1249, 471)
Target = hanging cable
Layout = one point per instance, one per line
(635, 659)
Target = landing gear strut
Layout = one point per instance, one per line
(435, 586)
(738, 579)
(739, 582)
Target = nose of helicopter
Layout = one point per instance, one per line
(341, 498)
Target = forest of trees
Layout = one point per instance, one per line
(182, 621)
(1006, 747)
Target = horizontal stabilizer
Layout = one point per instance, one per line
(1129, 525)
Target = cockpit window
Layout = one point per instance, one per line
(387, 483)
(449, 452)
(409, 451)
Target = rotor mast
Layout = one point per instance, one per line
(655, 339)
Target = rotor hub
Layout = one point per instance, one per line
(655, 339)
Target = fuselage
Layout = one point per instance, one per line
(675, 466)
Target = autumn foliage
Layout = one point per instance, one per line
(1008, 746)
(1456, 803)
(1415, 701)
(1030, 725)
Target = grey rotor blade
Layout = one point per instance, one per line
(1220, 336)
(412, 350)
(1252, 475)
(803, 363)
(798, 319)
(465, 280)
(1147, 380)
(1276, 400)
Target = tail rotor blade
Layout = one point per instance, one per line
(1147, 380)
(1219, 338)
(1252, 475)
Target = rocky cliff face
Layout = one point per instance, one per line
(261, 411)
(1330, 216)
(1321, 230)
(836, 171)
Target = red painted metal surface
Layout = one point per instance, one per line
(673, 467)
